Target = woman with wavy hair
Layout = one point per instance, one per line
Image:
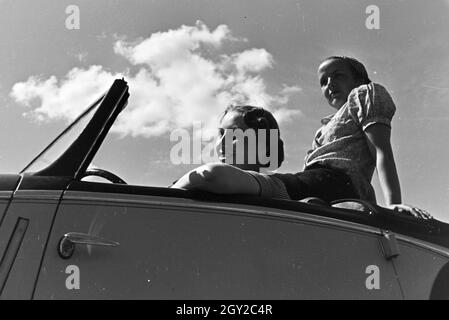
(241, 157)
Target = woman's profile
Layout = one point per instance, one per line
(237, 172)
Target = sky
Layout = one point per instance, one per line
(185, 61)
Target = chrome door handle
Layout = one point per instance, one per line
(66, 245)
(84, 238)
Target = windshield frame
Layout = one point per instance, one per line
(75, 158)
(62, 134)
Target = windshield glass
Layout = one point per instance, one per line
(56, 148)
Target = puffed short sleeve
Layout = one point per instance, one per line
(370, 104)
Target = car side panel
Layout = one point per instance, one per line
(3, 206)
(23, 236)
(8, 183)
(177, 251)
(418, 267)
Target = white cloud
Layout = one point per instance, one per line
(285, 115)
(290, 90)
(182, 78)
(66, 99)
(162, 49)
(253, 60)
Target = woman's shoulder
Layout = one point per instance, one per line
(372, 88)
(370, 94)
(371, 103)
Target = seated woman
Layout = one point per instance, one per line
(239, 172)
(352, 142)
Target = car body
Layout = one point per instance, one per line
(137, 242)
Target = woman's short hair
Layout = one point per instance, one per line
(258, 118)
(357, 68)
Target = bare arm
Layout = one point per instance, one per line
(219, 178)
(379, 144)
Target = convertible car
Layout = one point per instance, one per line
(62, 237)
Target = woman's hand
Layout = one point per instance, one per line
(411, 210)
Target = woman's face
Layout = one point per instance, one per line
(230, 122)
(336, 81)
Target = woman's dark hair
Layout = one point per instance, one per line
(357, 68)
(258, 118)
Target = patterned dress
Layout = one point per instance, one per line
(341, 142)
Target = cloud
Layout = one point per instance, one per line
(53, 100)
(253, 60)
(162, 49)
(182, 77)
(285, 115)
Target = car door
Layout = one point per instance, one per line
(177, 248)
(24, 228)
